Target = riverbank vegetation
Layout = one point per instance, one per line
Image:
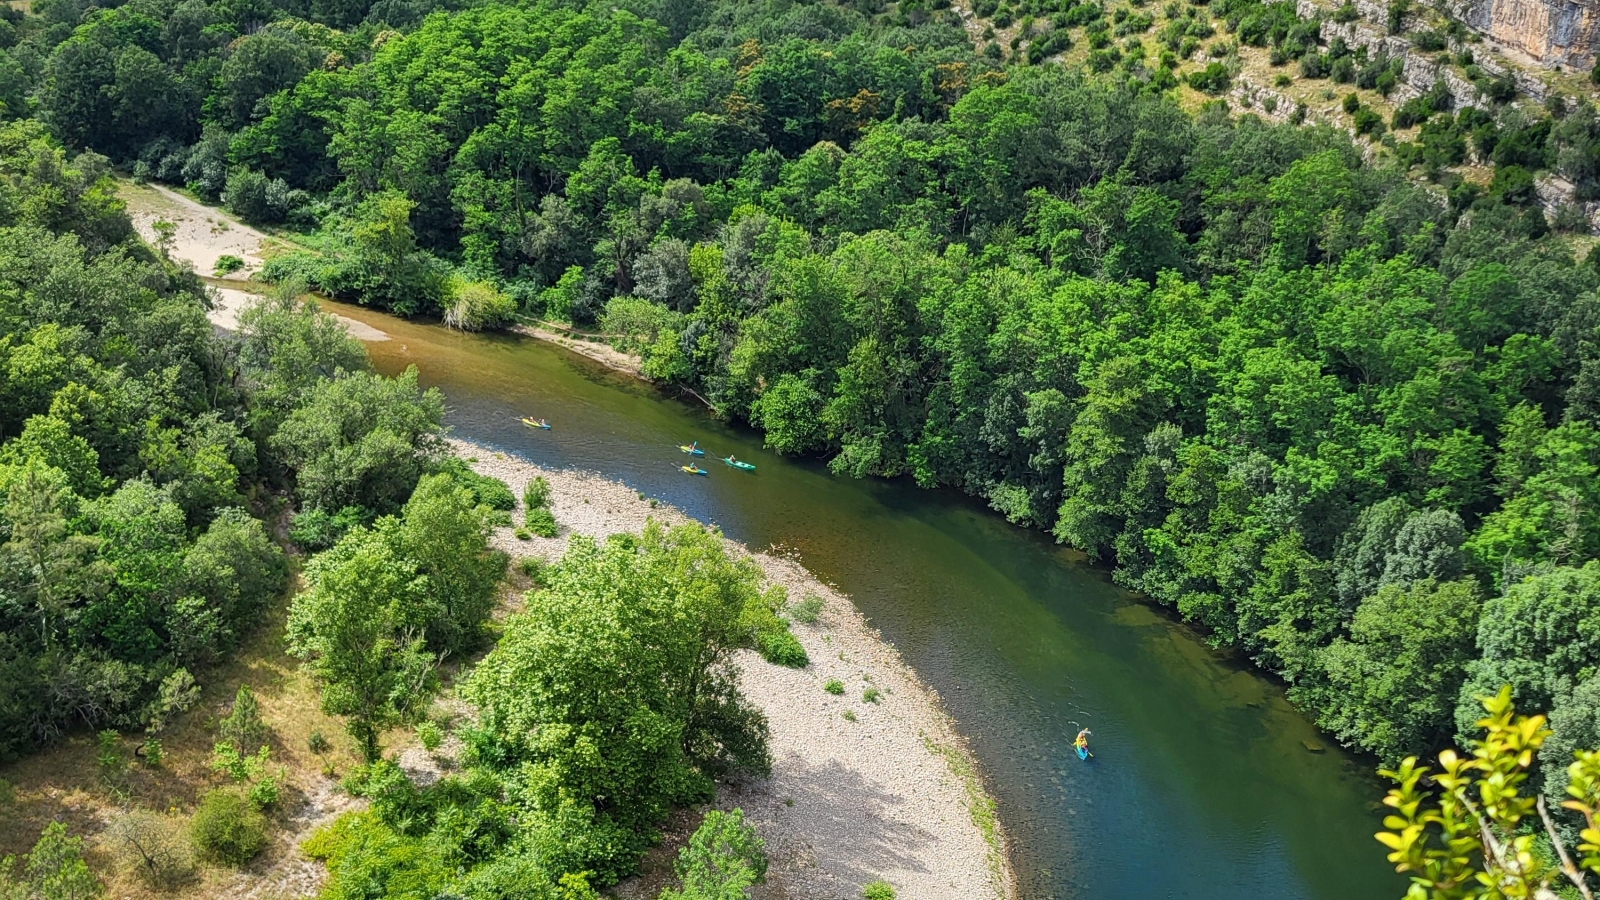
(1338, 420)
(148, 472)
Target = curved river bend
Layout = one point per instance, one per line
(1205, 782)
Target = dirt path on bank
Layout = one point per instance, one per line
(205, 234)
(860, 790)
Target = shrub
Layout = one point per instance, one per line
(870, 695)
(226, 829)
(431, 736)
(833, 686)
(476, 305)
(541, 521)
(113, 765)
(318, 743)
(243, 728)
(1213, 79)
(317, 529)
(150, 752)
(724, 858)
(1351, 103)
(536, 493)
(152, 848)
(522, 534)
(1514, 184)
(263, 795)
(1346, 14)
(1367, 121)
(1428, 41)
(1398, 10)
(533, 567)
(257, 198)
(849, 715)
(1282, 81)
(782, 648)
(808, 610)
(486, 490)
(227, 264)
(877, 890)
(769, 632)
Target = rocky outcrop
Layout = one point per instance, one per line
(1551, 32)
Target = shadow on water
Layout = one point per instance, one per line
(1204, 783)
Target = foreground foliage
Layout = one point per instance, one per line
(606, 703)
(1469, 830)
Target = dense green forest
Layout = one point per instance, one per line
(1339, 418)
(142, 453)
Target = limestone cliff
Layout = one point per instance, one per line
(1552, 32)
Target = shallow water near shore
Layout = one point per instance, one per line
(1204, 783)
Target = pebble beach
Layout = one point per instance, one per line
(861, 789)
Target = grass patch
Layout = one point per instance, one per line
(979, 804)
(807, 611)
(833, 686)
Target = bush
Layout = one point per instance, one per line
(1351, 103)
(1398, 10)
(1367, 121)
(263, 795)
(243, 728)
(723, 859)
(476, 305)
(541, 521)
(486, 490)
(808, 610)
(1428, 41)
(533, 567)
(770, 632)
(522, 534)
(877, 890)
(833, 686)
(113, 765)
(430, 735)
(536, 494)
(1346, 14)
(226, 829)
(256, 198)
(782, 648)
(870, 695)
(1213, 79)
(227, 264)
(317, 529)
(152, 848)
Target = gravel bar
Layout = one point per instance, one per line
(892, 795)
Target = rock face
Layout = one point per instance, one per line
(1552, 32)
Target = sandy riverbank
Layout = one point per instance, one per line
(891, 795)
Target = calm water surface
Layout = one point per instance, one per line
(1202, 784)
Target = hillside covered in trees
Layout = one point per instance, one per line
(1342, 420)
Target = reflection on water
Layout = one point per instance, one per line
(1202, 784)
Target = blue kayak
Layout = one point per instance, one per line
(1083, 752)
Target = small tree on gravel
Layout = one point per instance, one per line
(722, 861)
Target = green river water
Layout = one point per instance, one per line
(1205, 783)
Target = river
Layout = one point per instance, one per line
(1205, 783)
